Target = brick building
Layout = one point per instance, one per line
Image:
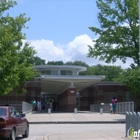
(63, 84)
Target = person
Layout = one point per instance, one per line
(33, 105)
(43, 105)
(110, 108)
(51, 105)
(54, 105)
(114, 101)
(38, 106)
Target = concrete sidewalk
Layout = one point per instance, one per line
(80, 117)
(86, 136)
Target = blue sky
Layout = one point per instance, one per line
(58, 29)
(58, 20)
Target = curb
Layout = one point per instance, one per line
(78, 122)
(46, 137)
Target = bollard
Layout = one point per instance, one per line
(101, 108)
(49, 111)
(75, 110)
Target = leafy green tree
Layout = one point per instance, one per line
(110, 72)
(55, 63)
(131, 78)
(14, 55)
(78, 63)
(39, 61)
(36, 61)
(69, 63)
(118, 31)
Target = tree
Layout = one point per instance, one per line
(36, 61)
(14, 55)
(118, 31)
(131, 78)
(55, 63)
(78, 63)
(110, 72)
(39, 61)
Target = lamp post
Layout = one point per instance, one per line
(139, 31)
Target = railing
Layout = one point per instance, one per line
(121, 107)
(132, 122)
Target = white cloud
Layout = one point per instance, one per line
(75, 50)
(47, 50)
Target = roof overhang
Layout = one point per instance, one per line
(59, 67)
(58, 84)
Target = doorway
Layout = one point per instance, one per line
(46, 99)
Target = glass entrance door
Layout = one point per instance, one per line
(46, 99)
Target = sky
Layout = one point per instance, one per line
(59, 29)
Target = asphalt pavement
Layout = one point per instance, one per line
(79, 117)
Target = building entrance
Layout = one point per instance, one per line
(49, 101)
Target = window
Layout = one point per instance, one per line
(13, 112)
(43, 72)
(69, 72)
(65, 72)
(2, 112)
(54, 72)
(48, 72)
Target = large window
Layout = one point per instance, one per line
(54, 72)
(46, 72)
(65, 72)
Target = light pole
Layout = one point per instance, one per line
(139, 31)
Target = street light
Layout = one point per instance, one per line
(139, 31)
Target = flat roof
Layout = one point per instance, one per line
(61, 67)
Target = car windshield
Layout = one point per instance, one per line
(2, 112)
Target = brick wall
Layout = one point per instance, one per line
(67, 100)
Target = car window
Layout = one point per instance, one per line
(13, 112)
(2, 112)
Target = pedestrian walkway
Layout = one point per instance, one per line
(79, 117)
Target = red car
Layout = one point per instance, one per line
(12, 123)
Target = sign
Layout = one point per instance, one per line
(131, 133)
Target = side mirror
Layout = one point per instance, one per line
(23, 115)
